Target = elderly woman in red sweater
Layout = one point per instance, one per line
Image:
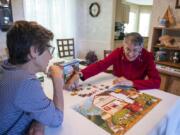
(131, 64)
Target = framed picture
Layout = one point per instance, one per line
(177, 4)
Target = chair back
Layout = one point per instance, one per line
(66, 47)
(107, 52)
(110, 69)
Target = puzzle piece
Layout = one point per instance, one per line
(87, 90)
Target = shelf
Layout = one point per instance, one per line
(168, 28)
(118, 40)
(168, 70)
(169, 64)
(155, 46)
(168, 48)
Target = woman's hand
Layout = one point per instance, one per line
(55, 72)
(36, 128)
(123, 81)
(73, 80)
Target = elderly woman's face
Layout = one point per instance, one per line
(132, 51)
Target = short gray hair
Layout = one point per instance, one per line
(134, 38)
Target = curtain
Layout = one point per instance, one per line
(56, 15)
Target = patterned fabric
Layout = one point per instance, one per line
(21, 94)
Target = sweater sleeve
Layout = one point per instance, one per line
(153, 81)
(32, 100)
(100, 66)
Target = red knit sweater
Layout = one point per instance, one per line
(135, 71)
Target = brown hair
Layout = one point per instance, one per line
(22, 36)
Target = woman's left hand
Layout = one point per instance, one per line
(123, 81)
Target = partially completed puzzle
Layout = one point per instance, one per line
(116, 109)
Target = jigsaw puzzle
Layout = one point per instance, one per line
(116, 110)
(87, 90)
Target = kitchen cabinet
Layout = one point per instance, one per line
(122, 12)
(118, 43)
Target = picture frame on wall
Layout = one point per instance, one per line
(177, 4)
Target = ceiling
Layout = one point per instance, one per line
(141, 2)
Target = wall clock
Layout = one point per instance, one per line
(94, 9)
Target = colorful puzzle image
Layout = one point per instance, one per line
(117, 110)
(87, 90)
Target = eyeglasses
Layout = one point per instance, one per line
(135, 51)
(50, 49)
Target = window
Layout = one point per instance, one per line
(144, 22)
(139, 20)
(56, 15)
(131, 26)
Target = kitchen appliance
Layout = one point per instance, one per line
(119, 31)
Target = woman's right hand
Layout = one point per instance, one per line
(55, 71)
(73, 80)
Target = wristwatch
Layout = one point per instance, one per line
(81, 76)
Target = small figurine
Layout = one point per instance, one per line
(167, 40)
(176, 57)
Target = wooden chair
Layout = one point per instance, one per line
(106, 53)
(66, 48)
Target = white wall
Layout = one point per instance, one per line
(94, 33)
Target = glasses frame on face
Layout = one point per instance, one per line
(135, 52)
(50, 49)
